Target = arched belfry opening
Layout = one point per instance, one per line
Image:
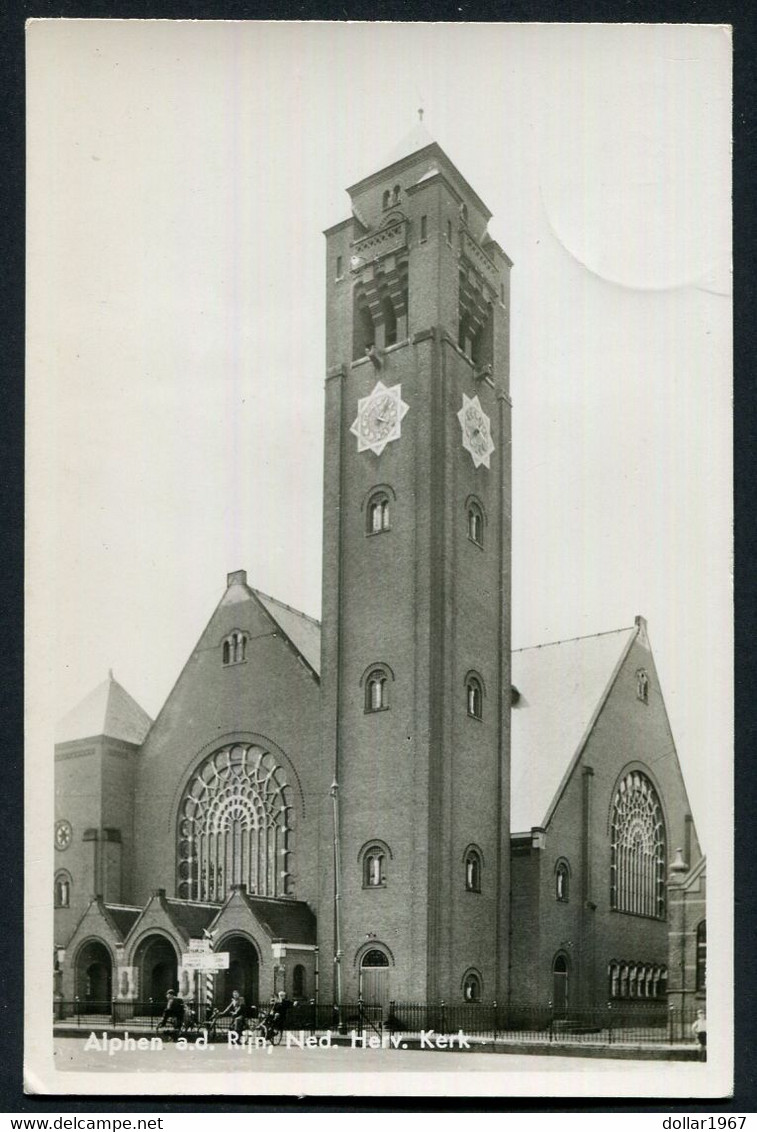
(380, 307)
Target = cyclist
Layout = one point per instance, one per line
(280, 1008)
(237, 1009)
(174, 1013)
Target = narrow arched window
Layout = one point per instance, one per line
(234, 648)
(374, 867)
(632, 982)
(475, 697)
(623, 982)
(386, 199)
(376, 691)
(62, 892)
(378, 513)
(637, 856)
(298, 981)
(614, 973)
(473, 871)
(472, 986)
(475, 523)
(642, 686)
(701, 979)
(396, 196)
(562, 882)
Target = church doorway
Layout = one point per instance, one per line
(374, 977)
(158, 968)
(94, 975)
(560, 986)
(243, 973)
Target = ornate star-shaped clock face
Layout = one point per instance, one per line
(379, 418)
(62, 834)
(476, 426)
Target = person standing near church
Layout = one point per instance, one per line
(699, 1030)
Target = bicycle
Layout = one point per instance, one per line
(267, 1029)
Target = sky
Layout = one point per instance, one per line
(180, 179)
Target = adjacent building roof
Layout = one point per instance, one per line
(561, 687)
(108, 710)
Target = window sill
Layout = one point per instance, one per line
(375, 710)
(478, 718)
(640, 915)
(234, 663)
(374, 887)
(383, 531)
(475, 542)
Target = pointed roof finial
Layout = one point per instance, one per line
(110, 674)
(420, 113)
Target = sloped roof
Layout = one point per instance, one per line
(304, 632)
(108, 710)
(291, 920)
(561, 686)
(191, 916)
(123, 917)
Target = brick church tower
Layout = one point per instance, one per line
(414, 841)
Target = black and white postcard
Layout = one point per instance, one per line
(379, 713)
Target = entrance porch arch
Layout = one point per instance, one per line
(94, 974)
(157, 962)
(243, 972)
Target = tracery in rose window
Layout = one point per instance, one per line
(235, 826)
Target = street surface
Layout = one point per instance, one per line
(71, 1055)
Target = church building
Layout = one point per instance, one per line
(391, 804)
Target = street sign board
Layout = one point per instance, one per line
(205, 961)
(199, 945)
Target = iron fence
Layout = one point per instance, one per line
(313, 1017)
(639, 1023)
(613, 1023)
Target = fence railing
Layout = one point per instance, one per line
(313, 1017)
(615, 1022)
